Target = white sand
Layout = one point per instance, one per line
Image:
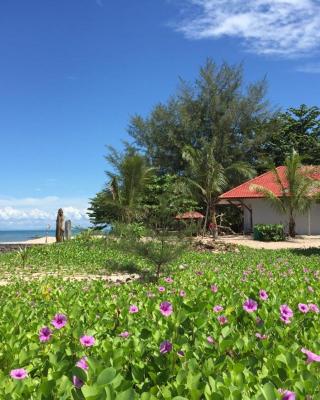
(42, 240)
(299, 242)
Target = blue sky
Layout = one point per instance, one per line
(74, 71)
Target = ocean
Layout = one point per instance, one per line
(22, 235)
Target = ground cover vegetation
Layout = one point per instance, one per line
(211, 135)
(215, 326)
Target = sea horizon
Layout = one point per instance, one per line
(21, 235)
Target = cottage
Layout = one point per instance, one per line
(257, 210)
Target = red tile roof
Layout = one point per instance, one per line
(267, 180)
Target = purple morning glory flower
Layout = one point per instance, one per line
(45, 334)
(133, 309)
(310, 356)
(304, 308)
(166, 308)
(19, 373)
(87, 341)
(261, 337)
(77, 382)
(165, 347)
(59, 321)
(263, 295)
(250, 305)
(82, 363)
(286, 311)
(124, 334)
(314, 308)
(287, 394)
(214, 288)
(222, 319)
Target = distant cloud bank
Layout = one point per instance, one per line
(37, 213)
(276, 27)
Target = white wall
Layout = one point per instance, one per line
(263, 213)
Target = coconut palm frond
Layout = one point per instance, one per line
(240, 170)
(269, 195)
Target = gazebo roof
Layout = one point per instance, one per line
(190, 215)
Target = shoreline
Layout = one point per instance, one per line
(41, 240)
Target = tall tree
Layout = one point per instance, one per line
(120, 200)
(215, 107)
(298, 129)
(297, 189)
(210, 177)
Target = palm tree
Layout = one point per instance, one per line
(211, 178)
(297, 190)
(121, 198)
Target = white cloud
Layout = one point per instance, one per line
(39, 212)
(310, 68)
(281, 27)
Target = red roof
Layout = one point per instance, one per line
(267, 180)
(190, 215)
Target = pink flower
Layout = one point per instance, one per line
(77, 382)
(263, 295)
(287, 395)
(250, 305)
(133, 309)
(217, 308)
(310, 288)
(285, 319)
(214, 288)
(124, 334)
(168, 280)
(161, 288)
(166, 308)
(165, 347)
(286, 311)
(310, 356)
(261, 337)
(45, 334)
(180, 353)
(314, 308)
(222, 319)
(87, 341)
(59, 321)
(19, 373)
(210, 340)
(82, 363)
(182, 293)
(303, 308)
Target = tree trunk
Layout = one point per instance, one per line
(292, 226)
(205, 221)
(214, 222)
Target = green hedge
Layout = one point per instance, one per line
(269, 232)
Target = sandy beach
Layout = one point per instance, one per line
(42, 240)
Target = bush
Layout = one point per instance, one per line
(135, 230)
(269, 232)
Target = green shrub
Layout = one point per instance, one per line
(135, 230)
(269, 232)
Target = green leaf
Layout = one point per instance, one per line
(269, 392)
(106, 376)
(126, 395)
